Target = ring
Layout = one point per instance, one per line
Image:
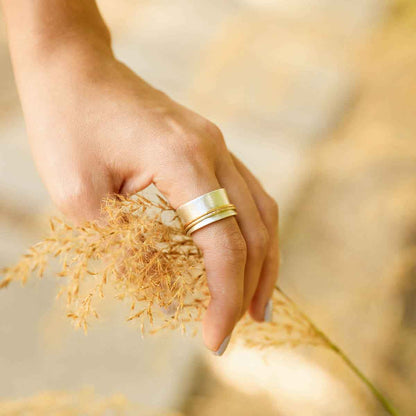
(206, 209)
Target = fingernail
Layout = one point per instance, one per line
(223, 346)
(268, 311)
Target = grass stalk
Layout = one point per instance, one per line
(384, 402)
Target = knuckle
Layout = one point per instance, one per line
(259, 242)
(235, 246)
(213, 131)
(194, 150)
(72, 197)
(198, 146)
(272, 211)
(195, 145)
(214, 137)
(235, 307)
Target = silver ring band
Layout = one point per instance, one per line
(206, 209)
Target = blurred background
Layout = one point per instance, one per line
(318, 98)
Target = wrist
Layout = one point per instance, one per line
(78, 39)
(43, 31)
(74, 60)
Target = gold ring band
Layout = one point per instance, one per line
(208, 213)
(216, 217)
(206, 209)
(213, 214)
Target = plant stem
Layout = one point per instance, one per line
(380, 397)
(388, 407)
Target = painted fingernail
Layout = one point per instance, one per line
(268, 311)
(223, 346)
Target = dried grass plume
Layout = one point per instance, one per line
(140, 253)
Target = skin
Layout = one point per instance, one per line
(96, 128)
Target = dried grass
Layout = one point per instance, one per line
(143, 256)
(141, 253)
(84, 402)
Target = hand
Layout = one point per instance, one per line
(96, 128)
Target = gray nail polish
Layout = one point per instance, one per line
(223, 346)
(268, 311)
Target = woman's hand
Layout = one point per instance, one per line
(96, 128)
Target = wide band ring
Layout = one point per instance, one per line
(206, 209)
